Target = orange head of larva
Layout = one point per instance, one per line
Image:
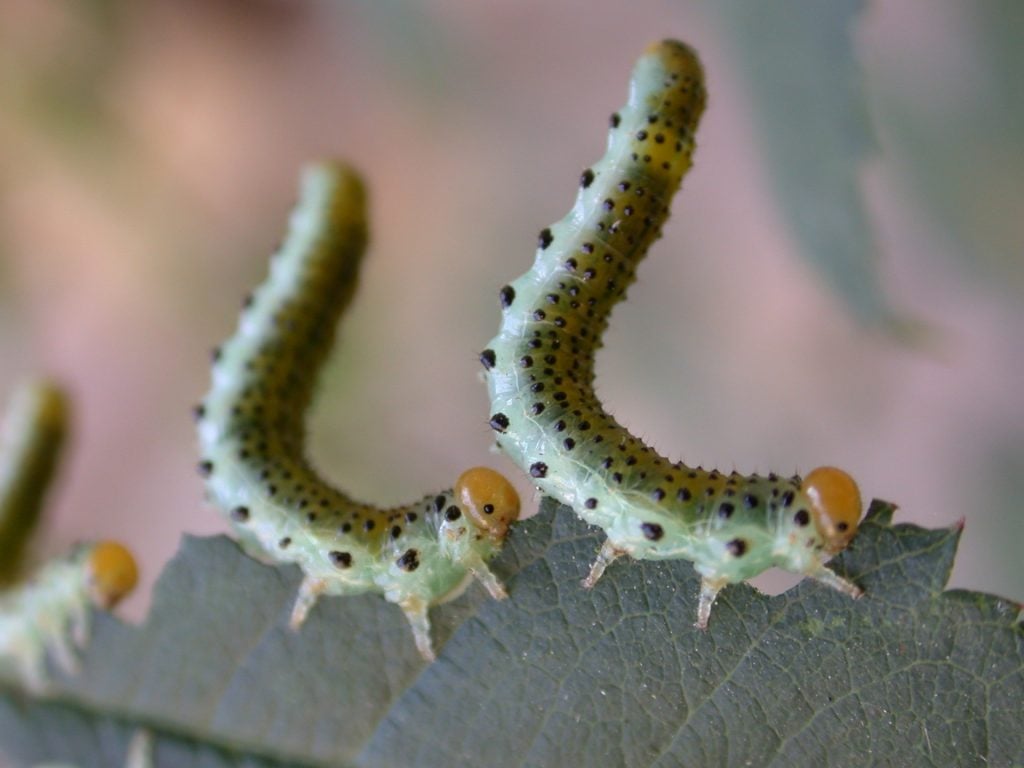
(112, 573)
(835, 505)
(488, 499)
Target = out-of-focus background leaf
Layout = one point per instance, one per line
(556, 675)
(148, 158)
(807, 103)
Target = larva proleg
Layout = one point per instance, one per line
(252, 437)
(540, 372)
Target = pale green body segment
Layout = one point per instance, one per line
(48, 614)
(540, 366)
(33, 434)
(252, 433)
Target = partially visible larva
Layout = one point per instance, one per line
(540, 371)
(49, 613)
(252, 437)
(33, 435)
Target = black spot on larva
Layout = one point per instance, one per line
(590, 503)
(369, 525)
(545, 238)
(750, 501)
(641, 135)
(205, 468)
(198, 411)
(411, 517)
(614, 120)
(587, 178)
(345, 527)
(725, 510)
(537, 409)
(652, 531)
(215, 354)
(569, 443)
(617, 477)
(452, 514)
(787, 498)
(488, 358)
(539, 315)
(802, 517)
(396, 531)
(285, 542)
(737, 547)
(340, 559)
(842, 526)
(538, 469)
(506, 296)
(499, 422)
(439, 502)
(311, 517)
(240, 514)
(608, 204)
(658, 494)
(525, 361)
(683, 494)
(409, 561)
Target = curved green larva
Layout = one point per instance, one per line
(49, 613)
(540, 371)
(34, 429)
(252, 437)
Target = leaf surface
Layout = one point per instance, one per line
(556, 675)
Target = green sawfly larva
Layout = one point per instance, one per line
(48, 614)
(252, 437)
(540, 373)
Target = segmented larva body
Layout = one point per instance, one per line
(49, 613)
(540, 371)
(252, 437)
(33, 434)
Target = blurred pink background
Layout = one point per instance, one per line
(149, 154)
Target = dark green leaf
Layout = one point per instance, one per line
(909, 675)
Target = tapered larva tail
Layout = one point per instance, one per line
(49, 613)
(33, 436)
(252, 437)
(540, 372)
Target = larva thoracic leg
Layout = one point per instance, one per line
(540, 371)
(49, 613)
(252, 437)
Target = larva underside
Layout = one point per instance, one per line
(540, 370)
(252, 437)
